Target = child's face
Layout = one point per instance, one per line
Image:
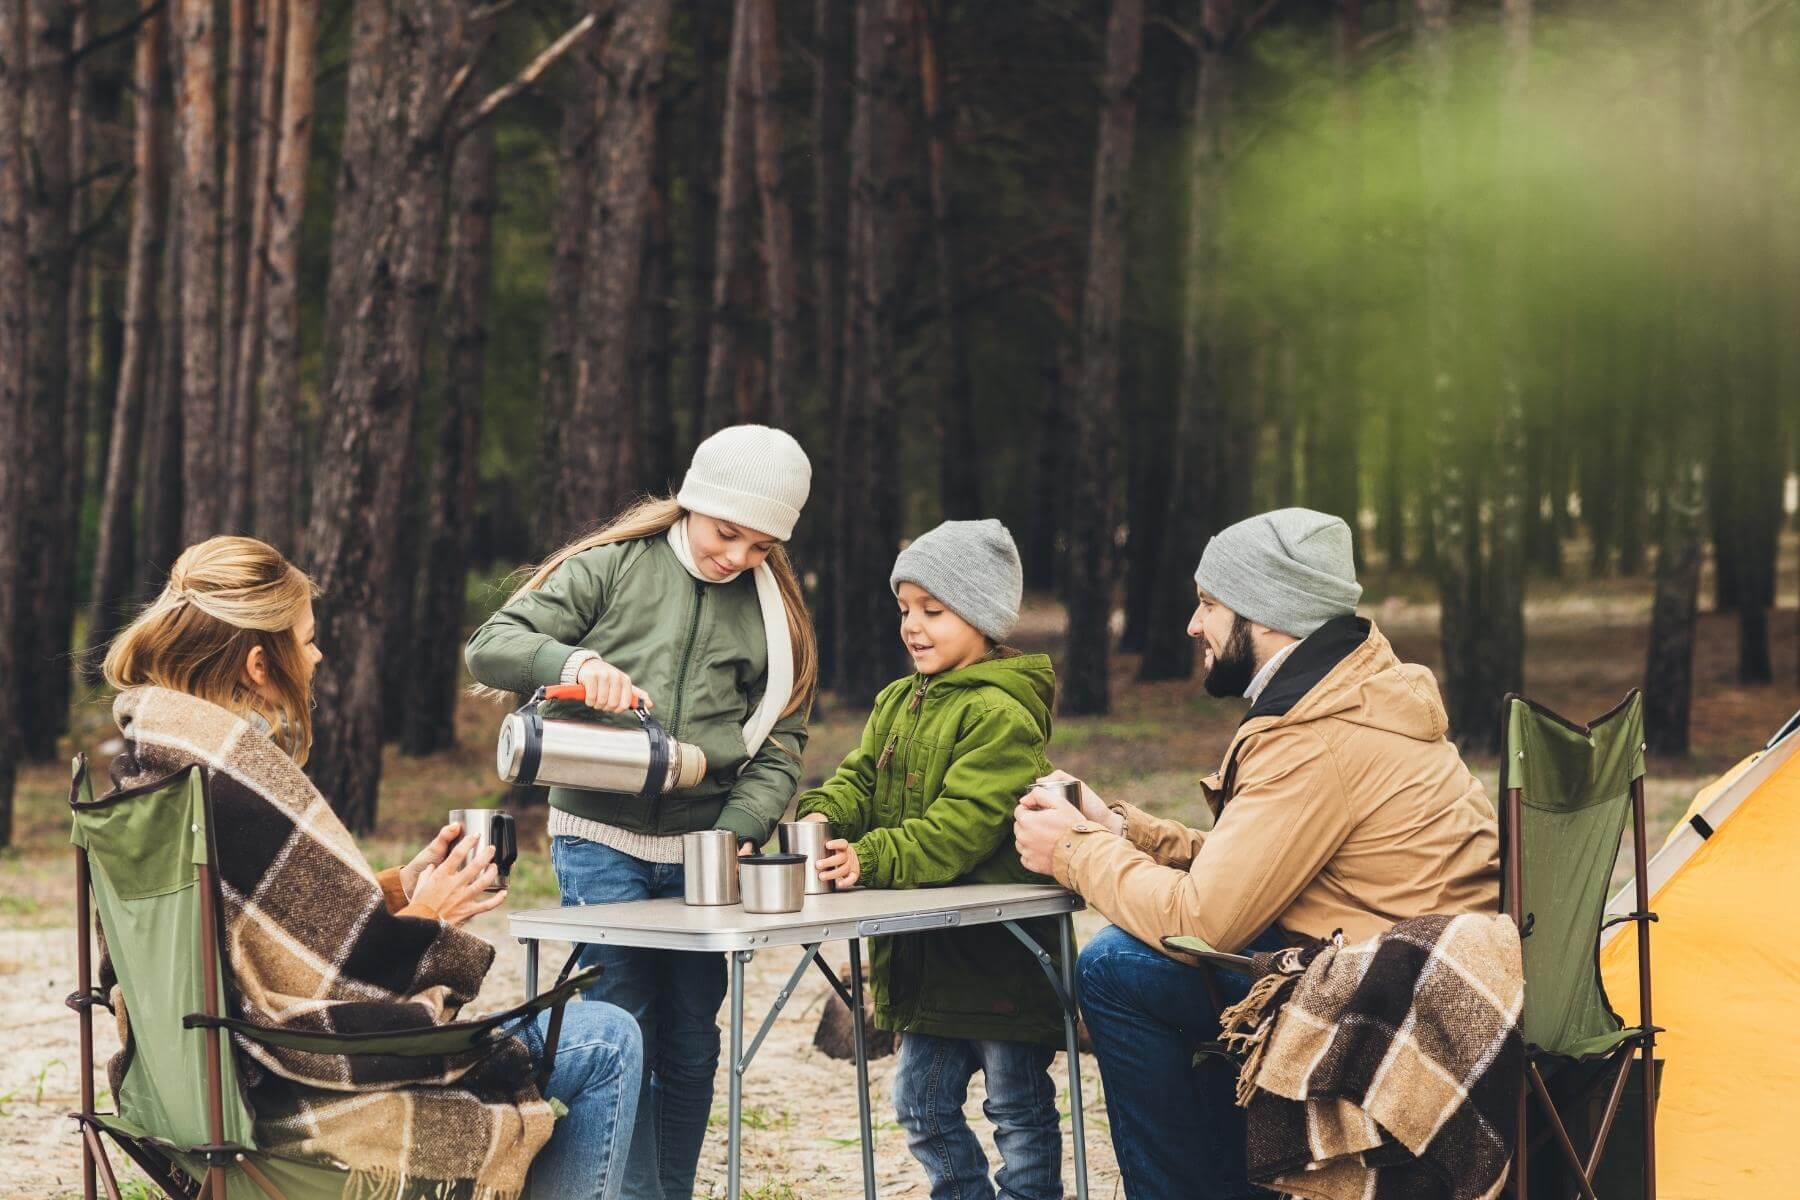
(721, 548)
(937, 638)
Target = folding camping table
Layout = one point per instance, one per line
(842, 916)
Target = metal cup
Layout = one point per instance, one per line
(1068, 789)
(492, 827)
(709, 867)
(808, 838)
(774, 883)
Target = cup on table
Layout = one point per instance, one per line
(709, 867)
(808, 838)
(774, 883)
(491, 827)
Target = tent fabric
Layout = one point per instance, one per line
(1725, 963)
(1575, 796)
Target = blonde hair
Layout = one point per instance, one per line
(653, 515)
(224, 597)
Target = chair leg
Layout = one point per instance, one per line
(1521, 1143)
(262, 1181)
(1562, 1134)
(1649, 1061)
(94, 1156)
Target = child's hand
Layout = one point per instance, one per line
(821, 818)
(608, 688)
(840, 866)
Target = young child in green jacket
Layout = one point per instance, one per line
(687, 604)
(927, 799)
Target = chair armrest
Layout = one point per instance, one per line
(422, 1041)
(1199, 948)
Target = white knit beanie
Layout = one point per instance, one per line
(750, 475)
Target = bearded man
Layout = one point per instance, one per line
(1340, 806)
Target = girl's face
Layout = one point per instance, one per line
(721, 548)
(937, 638)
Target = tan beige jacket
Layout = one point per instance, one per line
(1350, 810)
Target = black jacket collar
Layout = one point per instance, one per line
(1308, 663)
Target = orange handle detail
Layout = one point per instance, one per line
(573, 691)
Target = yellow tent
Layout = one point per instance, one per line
(1725, 969)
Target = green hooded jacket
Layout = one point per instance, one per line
(697, 648)
(927, 799)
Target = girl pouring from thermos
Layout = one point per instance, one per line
(686, 605)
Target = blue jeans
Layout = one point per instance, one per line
(930, 1086)
(1177, 1129)
(598, 1062)
(675, 997)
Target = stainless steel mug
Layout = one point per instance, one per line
(808, 838)
(709, 867)
(1068, 789)
(495, 828)
(773, 883)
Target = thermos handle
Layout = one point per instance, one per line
(574, 691)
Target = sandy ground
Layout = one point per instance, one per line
(800, 1136)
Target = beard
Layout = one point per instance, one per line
(1235, 666)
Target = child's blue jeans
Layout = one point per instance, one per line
(930, 1087)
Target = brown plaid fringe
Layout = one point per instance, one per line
(1391, 1071)
(311, 945)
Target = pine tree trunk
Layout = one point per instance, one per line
(1669, 669)
(430, 722)
(353, 536)
(14, 325)
(248, 44)
(358, 167)
(1085, 685)
(43, 665)
(702, 177)
(959, 476)
(777, 218)
(655, 343)
(57, 584)
(831, 106)
(113, 557)
(612, 278)
(202, 415)
(249, 317)
(160, 529)
(276, 433)
(575, 153)
(1197, 506)
(731, 286)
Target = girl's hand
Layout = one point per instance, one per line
(840, 866)
(608, 688)
(430, 856)
(456, 889)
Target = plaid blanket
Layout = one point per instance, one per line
(312, 945)
(1386, 1070)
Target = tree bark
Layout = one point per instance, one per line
(14, 327)
(1087, 656)
(777, 217)
(248, 328)
(731, 287)
(113, 556)
(702, 177)
(575, 154)
(959, 474)
(655, 343)
(605, 395)
(160, 529)
(831, 91)
(276, 433)
(1669, 666)
(430, 722)
(358, 166)
(248, 43)
(196, 122)
(352, 538)
(42, 664)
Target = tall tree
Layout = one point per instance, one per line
(14, 326)
(430, 722)
(276, 434)
(1086, 687)
(656, 347)
(711, 30)
(732, 290)
(248, 321)
(777, 217)
(197, 130)
(114, 554)
(612, 278)
(159, 530)
(832, 57)
(352, 538)
(248, 44)
(358, 167)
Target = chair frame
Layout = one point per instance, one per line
(1641, 1044)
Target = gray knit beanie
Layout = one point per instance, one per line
(750, 475)
(973, 567)
(1291, 570)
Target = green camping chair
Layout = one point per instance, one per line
(1567, 790)
(144, 861)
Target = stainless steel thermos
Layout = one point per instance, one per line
(773, 883)
(643, 762)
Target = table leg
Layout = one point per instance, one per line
(733, 1147)
(865, 1125)
(1077, 1121)
(531, 955)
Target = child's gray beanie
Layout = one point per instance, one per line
(973, 567)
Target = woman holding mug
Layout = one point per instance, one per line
(217, 672)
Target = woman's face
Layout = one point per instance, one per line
(722, 548)
(256, 669)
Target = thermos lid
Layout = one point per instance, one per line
(509, 754)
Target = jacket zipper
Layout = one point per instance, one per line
(687, 655)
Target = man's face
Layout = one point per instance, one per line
(1227, 654)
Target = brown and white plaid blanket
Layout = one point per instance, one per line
(1391, 1069)
(313, 946)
